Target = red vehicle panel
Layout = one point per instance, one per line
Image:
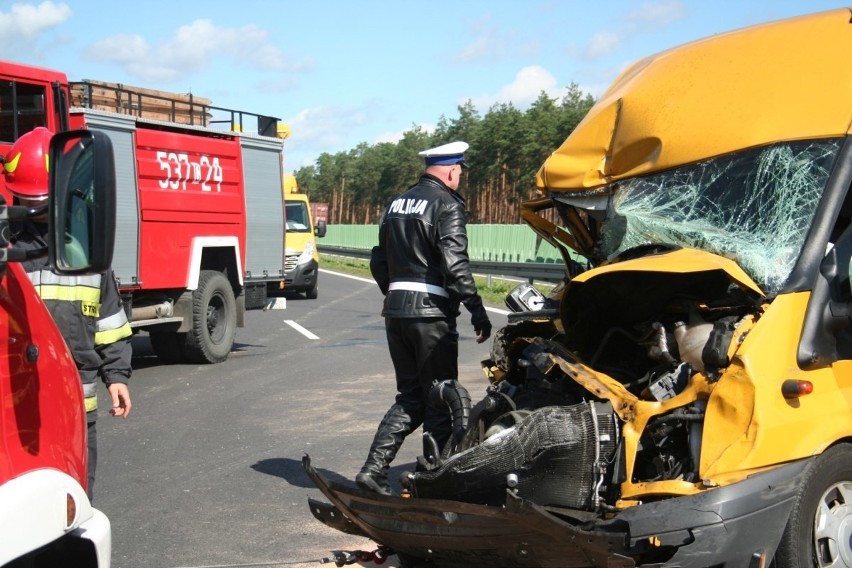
(190, 186)
(31, 90)
(38, 429)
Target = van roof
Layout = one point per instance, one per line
(784, 80)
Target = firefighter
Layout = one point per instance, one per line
(422, 268)
(87, 309)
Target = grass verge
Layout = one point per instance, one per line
(493, 295)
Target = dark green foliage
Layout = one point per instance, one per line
(507, 147)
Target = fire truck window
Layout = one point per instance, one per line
(22, 108)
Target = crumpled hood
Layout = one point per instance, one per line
(630, 291)
(680, 261)
(784, 80)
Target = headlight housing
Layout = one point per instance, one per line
(307, 254)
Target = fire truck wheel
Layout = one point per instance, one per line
(168, 345)
(820, 525)
(214, 319)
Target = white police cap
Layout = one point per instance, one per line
(446, 155)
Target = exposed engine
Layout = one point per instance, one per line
(544, 434)
(543, 455)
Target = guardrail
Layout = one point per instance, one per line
(530, 271)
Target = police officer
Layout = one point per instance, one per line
(87, 309)
(421, 266)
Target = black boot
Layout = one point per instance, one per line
(392, 430)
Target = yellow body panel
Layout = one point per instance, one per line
(749, 424)
(712, 97)
(678, 261)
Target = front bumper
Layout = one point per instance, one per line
(33, 517)
(726, 526)
(301, 277)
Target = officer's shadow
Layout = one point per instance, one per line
(293, 472)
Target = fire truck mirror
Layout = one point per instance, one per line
(82, 202)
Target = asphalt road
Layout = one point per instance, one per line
(207, 470)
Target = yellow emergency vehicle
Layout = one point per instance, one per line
(301, 258)
(685, 397)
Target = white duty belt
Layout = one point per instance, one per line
(419, 287)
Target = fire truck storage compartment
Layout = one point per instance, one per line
(264, 260)
(120, 129)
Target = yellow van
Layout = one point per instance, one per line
(685, 397)
(301, 258)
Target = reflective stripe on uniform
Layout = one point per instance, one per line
(112, 335)
(85, 289)
(90, 390)
(91, 403)
(419, 287)
(71, 294)
(111, 329)
(115, 321)
(46, 277)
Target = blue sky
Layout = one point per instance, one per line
(344, 72)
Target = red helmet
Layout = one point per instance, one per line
(26, 164)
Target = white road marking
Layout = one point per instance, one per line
(359, 278)
(301, 329)
(370, 281)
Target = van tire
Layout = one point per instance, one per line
(168, 346)
(826, 493)
(311, 293)
(214, 319)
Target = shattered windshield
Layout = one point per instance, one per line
(755, 207)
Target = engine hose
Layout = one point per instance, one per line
(451, 393)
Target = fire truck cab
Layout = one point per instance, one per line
(46, 518)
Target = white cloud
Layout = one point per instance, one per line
(491, 44)
(396, 136)
(649, 17)
(24, 24)
(655, 15)
(602, 44)
(279, 84)
(323, 129)
(191, 49)
(391, 137)
(526, 87)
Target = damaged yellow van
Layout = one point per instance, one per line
(684, 398)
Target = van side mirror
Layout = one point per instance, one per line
(320, 228)
(81, 207)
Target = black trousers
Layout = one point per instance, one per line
(423, 350)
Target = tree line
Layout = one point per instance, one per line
(507, 147)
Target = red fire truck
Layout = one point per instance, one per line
(46, 518)
(198, 197)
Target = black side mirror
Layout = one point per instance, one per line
(320, 228)
(81, 214)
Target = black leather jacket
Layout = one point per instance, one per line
(421, 263)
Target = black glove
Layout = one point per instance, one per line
(480, 322)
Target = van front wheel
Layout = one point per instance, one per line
(819, 530)
(311, 293)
